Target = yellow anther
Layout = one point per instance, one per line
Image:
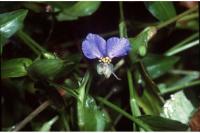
(105, 60)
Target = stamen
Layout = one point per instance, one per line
(116, 76)
(105, 60)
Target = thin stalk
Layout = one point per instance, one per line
(65, 122)
(150, 83)
(130, 84)
(182, 48)
(185, 72)
(121, 11)
(88, 84)
(188, 39)
(21, 36)
(118, 118)
(32, 115)
(189, 17)
(122, 23)
(30, 42)
(127, 115)
(172, 20)
(180, 87)
(119, 64)
(132, 100)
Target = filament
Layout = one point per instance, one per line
(116, 76)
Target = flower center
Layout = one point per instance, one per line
(105, 60)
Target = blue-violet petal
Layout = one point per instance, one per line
(94, 46)
(117, 47)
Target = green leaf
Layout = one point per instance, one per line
(15, 67)
(79, 9)
(158, 65)
(158, 123)
(182, 43)
(162, 10)
(139, 43)
(45, 68)
(178, 80)
(47, 125)
(178, 107)
(147, 100)
(90, 117)
(10, 23)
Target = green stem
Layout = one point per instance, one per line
(190, 38)
(132, 100)
(180, 87)
(189, 17)
(150, 83)
(65, 122)
(30, 42)
(172, 20)
(127, 115)
(130, 84)
(122, 24)
(121, 11)
(182, 48)
(88, 83)
(185, 72)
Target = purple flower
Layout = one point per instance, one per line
(94, 46)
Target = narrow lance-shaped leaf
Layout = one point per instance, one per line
(143, 96)
(158, 65)
(10, 23)
(158, 123)
(78, 9)
(47, 125)
(162, 10)
(178, 78)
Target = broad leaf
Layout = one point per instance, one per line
(79, 9)
(45, 68)
(90, 117)
(158, 123)
(162, 10)
(9, 24)
(15, 67)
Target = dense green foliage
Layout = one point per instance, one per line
(46, 90)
